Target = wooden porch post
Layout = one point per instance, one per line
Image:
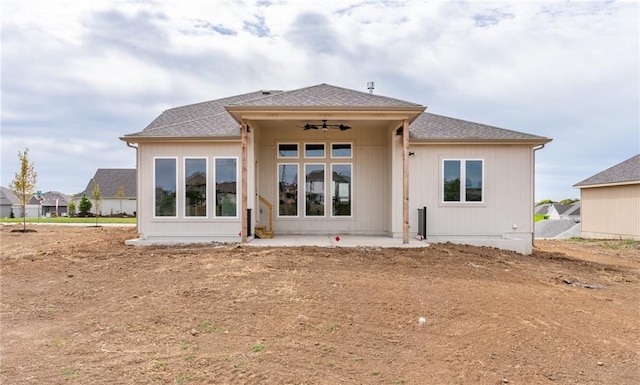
(405, 181)
(243, 208)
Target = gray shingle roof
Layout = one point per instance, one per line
(110, 179)
(625, 172)
(7, 197)
(438, 127)
(49, 199)
(211, 119)
(200, 119)
(542, 209)
(325, 95)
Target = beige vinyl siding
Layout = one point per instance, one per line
(506, 210)
(370, 180)
(190, 227)
(611, 212)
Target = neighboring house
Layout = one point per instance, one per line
(51, 203)
(561, 211)
(611, 202)
(9, 203)
(573, 212)
(117, 191)
(542, 209)
(332, 161)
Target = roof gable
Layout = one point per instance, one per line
(110, 179)
(325, 95)
(7, 197)
(627, 171)
(49, 199)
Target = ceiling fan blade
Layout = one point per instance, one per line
(342, 127)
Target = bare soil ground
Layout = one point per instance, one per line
(80, 307)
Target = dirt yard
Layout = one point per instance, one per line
(80, 307)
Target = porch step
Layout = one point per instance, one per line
(262, 233)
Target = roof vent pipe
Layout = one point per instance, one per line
(370, 87)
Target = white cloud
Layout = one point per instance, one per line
(77, 73)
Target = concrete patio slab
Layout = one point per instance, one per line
(335, 241)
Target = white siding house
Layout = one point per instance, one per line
(332, 161)
(117, 191)
(611, 202)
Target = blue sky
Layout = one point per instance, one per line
(76, 75)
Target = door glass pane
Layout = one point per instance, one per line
(451, 179)
(287, 150)
(288, 189)
(313, 150)
(314, 190)
(341, 150)
(341, 190)
(473, 180)
(226, 189)
(165, 179)
(195, 187)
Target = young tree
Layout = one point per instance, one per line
(71, 208)
(97, 197)
(120, 195)
(85, 205)
(24, 184)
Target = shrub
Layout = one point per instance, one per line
(85, 205)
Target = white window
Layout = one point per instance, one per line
(288, 150)
(341, 190)
(288, 190)
(195, 187)
(314, 190)
(165, 176)
(226, 176)
(314, 150)
(463, 180)
(341, 150)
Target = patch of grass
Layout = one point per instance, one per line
(159, 364)
(331, 327)
(52, 309)
(398, 381)
(375, 373)
(189, 357)
(182, 379)
(70, 373)
(207, 327)
(540, 217)
(621, 244)
(57, 342)
(329, 348)
(70, 220)
(184, 344)
(357, 358)
(258, 348)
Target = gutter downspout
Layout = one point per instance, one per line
(137, 184)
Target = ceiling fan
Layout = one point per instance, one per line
(324, 126)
